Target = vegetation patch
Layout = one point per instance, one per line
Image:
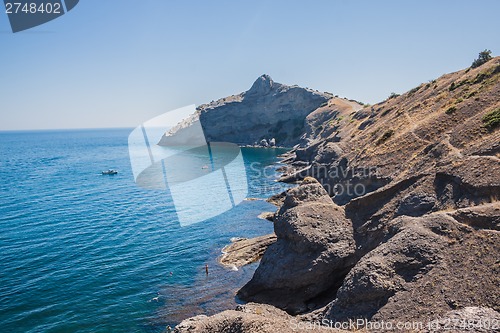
(470, 94)
(491, 120)
(356, 101)
(451, 110)
(414, 90)
(484, 57)
(454, 85)
(393, 95)
(486, 74)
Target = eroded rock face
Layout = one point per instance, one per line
(425, 267)
(313, 252)
(269, 114)
(410, 252)
(482, 217)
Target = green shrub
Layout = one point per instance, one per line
(471, 94)
(454, 85)
(451, 110)
(491, 120)
(484, 56)
(414, 90)
(393, 95)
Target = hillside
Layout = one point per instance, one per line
(396, 216)
(436, 124)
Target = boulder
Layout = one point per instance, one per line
(416, 204)
(311, 256)
(245, 251)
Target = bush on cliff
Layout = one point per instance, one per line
(491, 120)
(484, 57)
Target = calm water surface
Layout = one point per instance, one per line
(83, 252)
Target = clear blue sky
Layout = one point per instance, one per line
(117, 63)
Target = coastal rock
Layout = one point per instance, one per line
(295, 176)
(277, 199)
(249, 318)
(328, 152)
(257, 115)
(245, 251)
(267, 216)
(311, 256)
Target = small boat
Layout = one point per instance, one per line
(110, 172)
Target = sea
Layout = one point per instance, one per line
(85, 252)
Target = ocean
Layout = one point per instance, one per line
(86, 252)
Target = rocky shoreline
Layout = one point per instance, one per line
(395, 219)
(245, 251)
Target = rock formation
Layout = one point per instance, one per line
(245, 251)
(269, 114)
(313, 251)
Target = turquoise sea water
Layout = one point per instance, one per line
(84, 252)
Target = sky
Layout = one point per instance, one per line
(118, 63)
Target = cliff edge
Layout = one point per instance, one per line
(268, 114)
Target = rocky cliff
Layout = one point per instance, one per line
(396, 218)
(268, 114)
